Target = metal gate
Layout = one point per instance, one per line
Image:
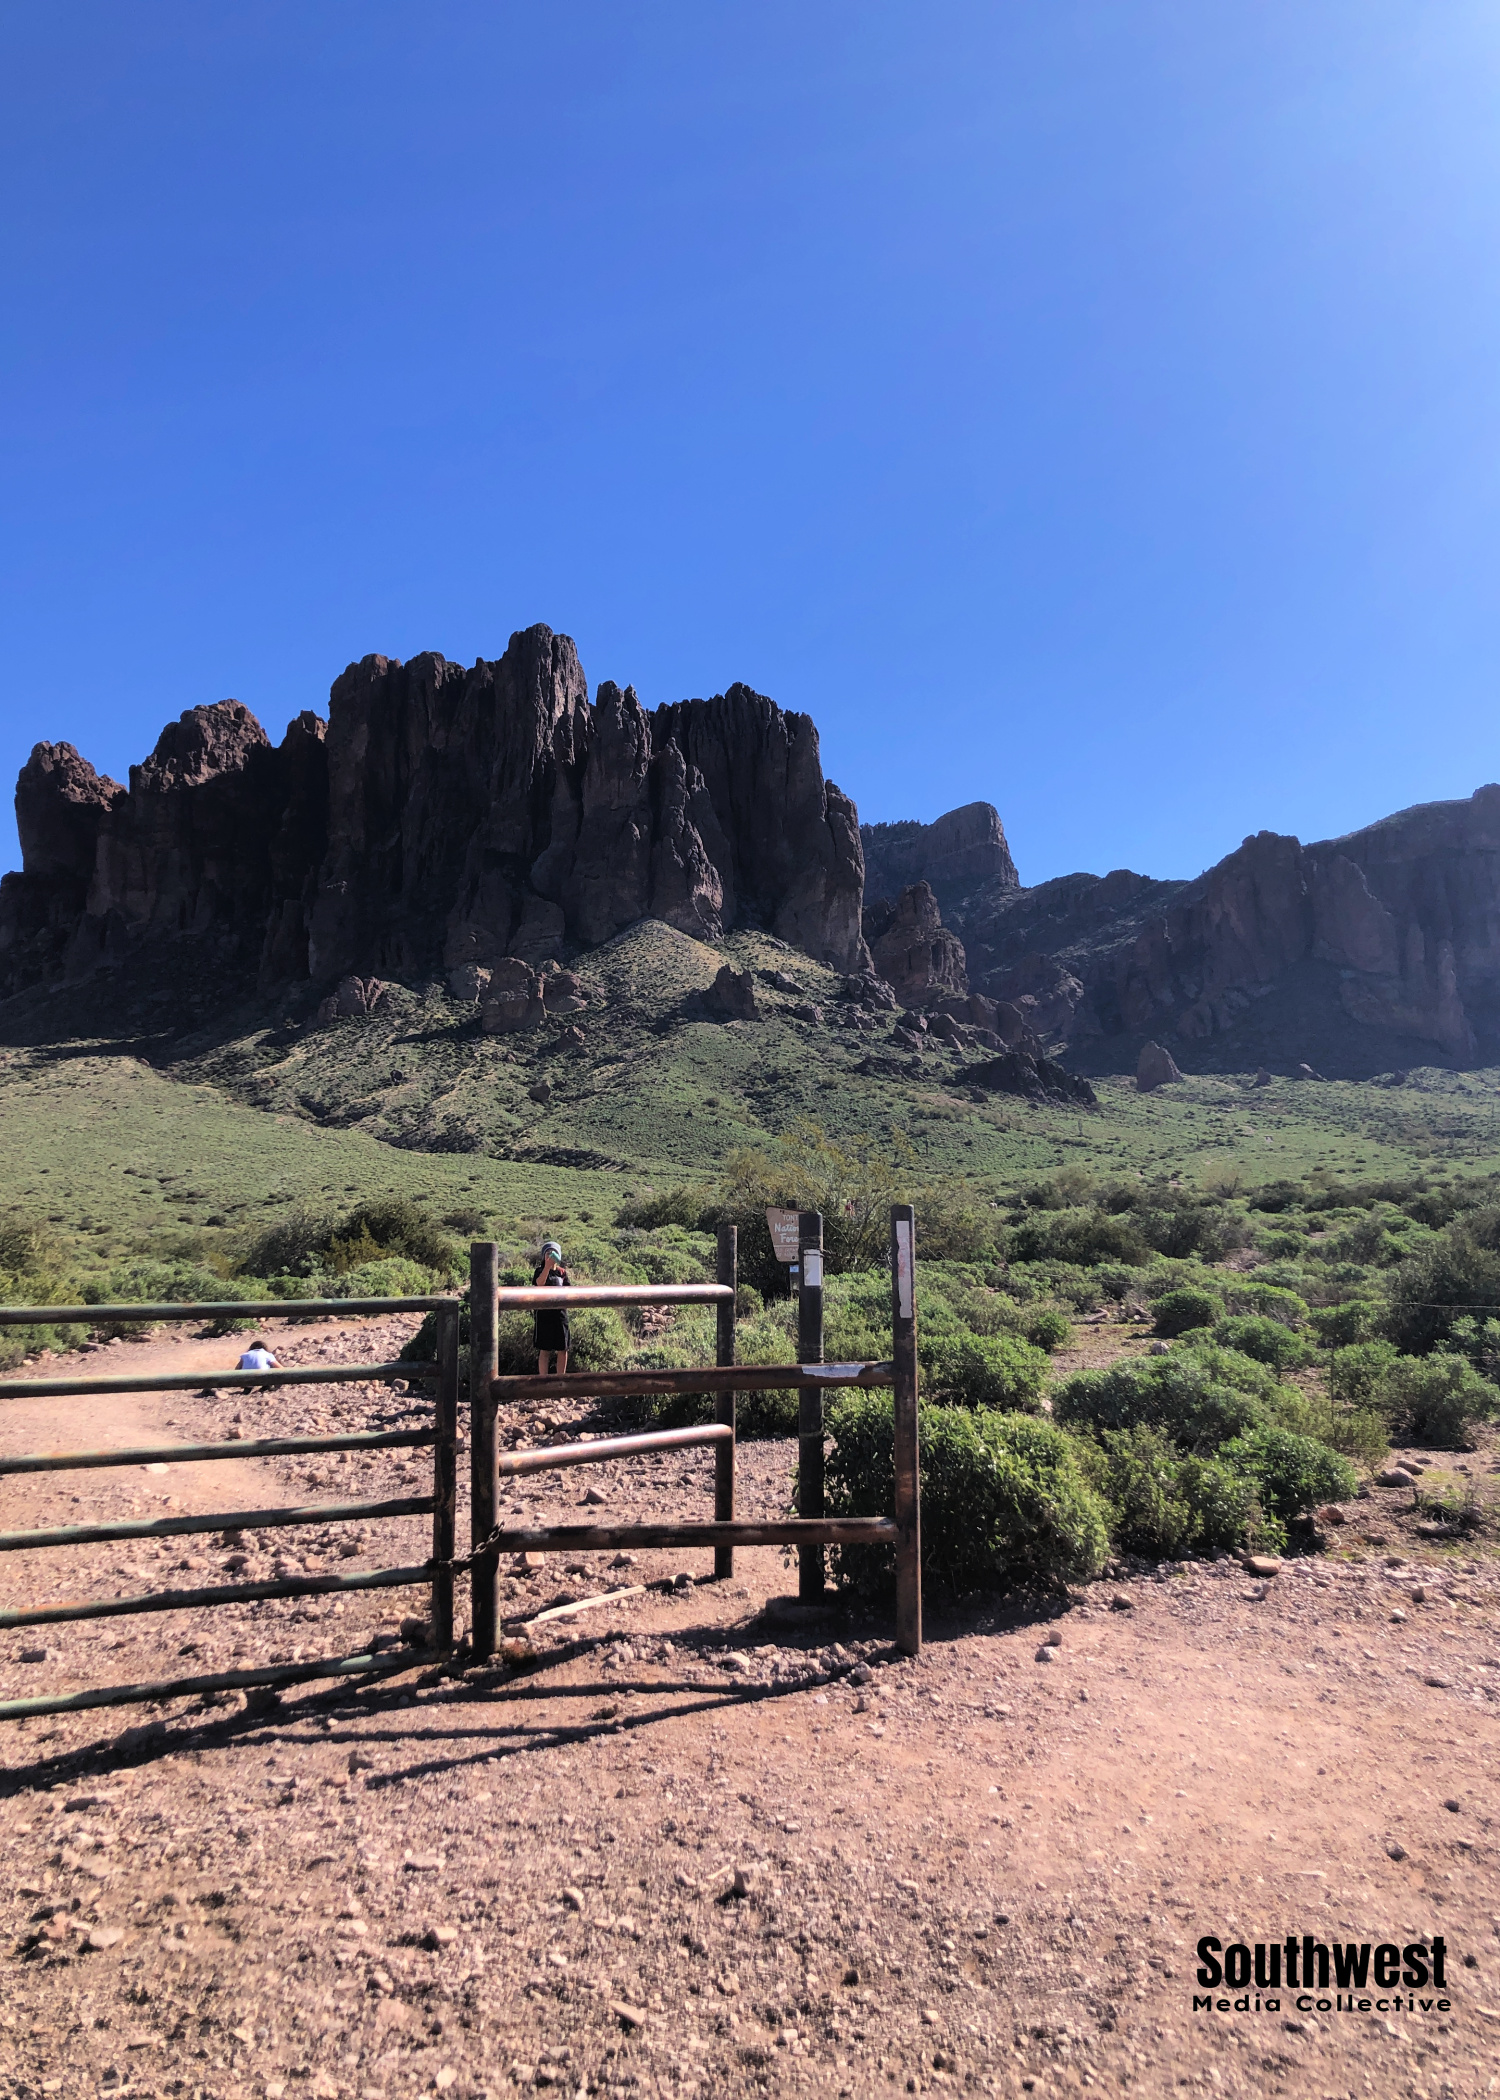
(440, 1438)
(811, 1531)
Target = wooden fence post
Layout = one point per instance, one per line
(908, 1511)
(445, 1479)
(727, 1271)
(484, 1363)
(810, 1559)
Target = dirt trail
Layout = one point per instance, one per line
(981, 1872)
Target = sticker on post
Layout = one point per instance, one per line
(904, 1308)
(835, 1374)
(812, 1268)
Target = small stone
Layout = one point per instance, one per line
(739, 1664)
(1398, 1617)
(1419, 1595)
(439, 1936)
(1121, 1603)
(1330, 1513)
(1394, 1477)
(1453, 1807)
(930, 2018)
(1438, 1682)
(1046, 1654)
(861, 1674)
(1263, 1564)
(102, 1936)
(573, 1898)
(422, 1863)
(445, 2078)
(1395, 1849)
(33, 1655)
(628, 2015)
(742, 1884)
(593, 1496)
(530, 1563)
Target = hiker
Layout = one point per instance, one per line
(258, 1358)
(552, 1333)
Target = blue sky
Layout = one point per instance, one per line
(1091, 408)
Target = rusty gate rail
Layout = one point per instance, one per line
(441, 1439)
(810, 1532)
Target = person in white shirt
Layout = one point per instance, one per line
(258, 1358)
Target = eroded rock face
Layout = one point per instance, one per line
(731, 996)
(445, 821)
(513, 998)
(959, 853)
(913, 950)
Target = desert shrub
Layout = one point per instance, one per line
(1177, 1394)
(1337, 1326)
(1268, 1301)
(1434, 1400)
(309, 1240)
(386, 1276)
(27, 1246)
(171, 1283)
(670, 1265)
(1047, 1328)
(473, 1224)
(1180, 1311)
(1289, 1244)
(1291, 1473)
(1456, 1273)
(1082, 1238)
(1266, 1340)
(1358, 1432)
(1479, 1341)
(1187, 1227)
(1163, 1504)
(1004, 1503)
(17, 1343)
(683, 1205)
(1356, 1373)
(972, 1370)
(399, 1226)
(290, 1245)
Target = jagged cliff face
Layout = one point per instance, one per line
(1382, 944)
(442, 817)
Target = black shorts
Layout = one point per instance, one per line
(552, 1333)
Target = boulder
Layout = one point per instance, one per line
(513, 998)
(1307, 1072)
(352, 997)
(1155, 1067)
(469, 982)
(563, 992)
(540, 1091)
(1262, 1077)
(870, 992)
(1035, 1078)
(731, 996)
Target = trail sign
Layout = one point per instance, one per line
(782, 1225)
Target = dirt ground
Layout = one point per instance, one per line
(700, 1844)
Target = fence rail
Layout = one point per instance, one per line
(811, 1531)
(441, 1438)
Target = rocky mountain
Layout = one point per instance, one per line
(441, 820)
(1353, 955)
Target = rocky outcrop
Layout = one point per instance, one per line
(1381, 948)
(1153, 1068)
(956, 856)
(1035, 1078)
(913, 950)
(731, 996)
(443, 822)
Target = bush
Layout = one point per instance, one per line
(1356, 1374)
(1081, 1237)
(1266, 1340)
(1176, 1393)
(1434, 1400)
(1454, 1274)
(974, 1370)
(1162, 1504)
(1358, 1432)
(1047, 1328)
(1266, 1301)
(1337, 1326)
(1180, 1311)
(1004, 1503)
(173, 1283)
(670, 1265)
(600, 1342)
(677, 1206)
(387, 1276)
(1291, 1473)
(390, 1226)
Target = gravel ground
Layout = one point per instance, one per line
(701, 1843)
